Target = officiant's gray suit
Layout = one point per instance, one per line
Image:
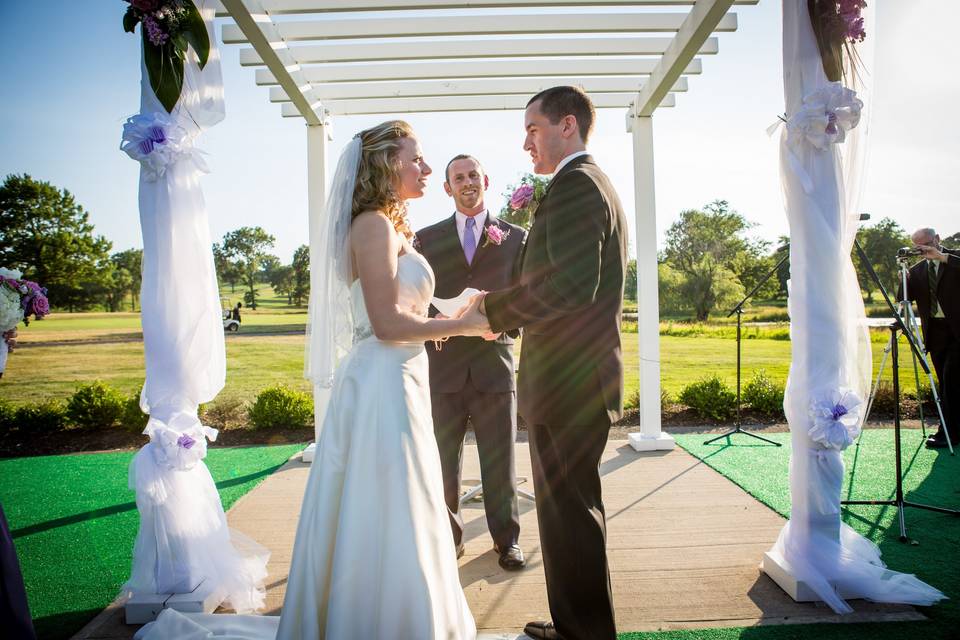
(473, 379)
(569, 302)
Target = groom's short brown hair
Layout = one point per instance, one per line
(557, 102)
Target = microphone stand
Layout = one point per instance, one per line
(739, 311)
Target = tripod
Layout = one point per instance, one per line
(737, 428)
(895, 326)
(907, 310)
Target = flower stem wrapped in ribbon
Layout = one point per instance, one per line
(168, 28)
(837, 25)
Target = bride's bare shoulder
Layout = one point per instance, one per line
(372, 228)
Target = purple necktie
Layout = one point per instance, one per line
(469, 240)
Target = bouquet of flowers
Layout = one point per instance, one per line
(19, 299)
(168, 27)
(523, 200)
(838, 25)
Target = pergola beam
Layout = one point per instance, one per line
(260, 32)
(281, 7)
(454, 103)
(487, 24)
(456, 48)
(474, 87)
(476, 68)
(696, 30)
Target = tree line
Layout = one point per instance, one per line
(708, 262)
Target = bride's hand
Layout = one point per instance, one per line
(472, 322)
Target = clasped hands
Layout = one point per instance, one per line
(473, 319)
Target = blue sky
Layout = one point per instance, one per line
(71, 78)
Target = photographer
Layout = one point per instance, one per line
(934, 284)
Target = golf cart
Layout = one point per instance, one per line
(229, 322)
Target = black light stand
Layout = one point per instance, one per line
(739, 311)
(895, 326)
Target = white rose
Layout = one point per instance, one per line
(10, 312)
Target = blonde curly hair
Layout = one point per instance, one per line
(376, 188)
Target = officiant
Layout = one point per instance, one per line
(471, 379)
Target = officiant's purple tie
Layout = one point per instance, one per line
(469, 240)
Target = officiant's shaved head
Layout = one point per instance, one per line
(557, 102)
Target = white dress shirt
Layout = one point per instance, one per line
(566, 161)
(481, 220)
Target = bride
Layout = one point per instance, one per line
(373, 556)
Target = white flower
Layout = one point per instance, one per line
(825, 117)
(157, 141)
(10, 311)
(10, 273)
(836, 419)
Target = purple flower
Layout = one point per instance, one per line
(521, 197)
(155, 33)
(37, 306)
(186, 441)
(831, 128)
(839, 411)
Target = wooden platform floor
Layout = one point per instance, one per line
(683, 546)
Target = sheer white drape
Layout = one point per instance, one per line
(830, 368)
(183, 537)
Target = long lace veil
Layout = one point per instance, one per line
(330, 320)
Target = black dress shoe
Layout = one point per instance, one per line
(511, 558)
(542, 631)
(939, 443)
(460, 550)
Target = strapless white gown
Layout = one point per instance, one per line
(373, 556)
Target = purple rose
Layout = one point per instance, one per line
(38, 306)
(186, 442)
(521, 197)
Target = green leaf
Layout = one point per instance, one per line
(195, 31)
(165, 70)
(130, 20)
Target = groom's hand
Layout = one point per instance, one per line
(473, 322)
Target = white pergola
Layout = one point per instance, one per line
(322, 59)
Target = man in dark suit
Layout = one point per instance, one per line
(471, 378)
(570, 386)
(934, 284)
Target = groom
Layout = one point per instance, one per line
(472, 379)
(570, 385)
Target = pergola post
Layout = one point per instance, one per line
(317, 138)
(650, 437)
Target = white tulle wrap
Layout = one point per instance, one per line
(831, 363)
(330, 320)
(183, 537)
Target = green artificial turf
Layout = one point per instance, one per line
(931, 477)
(74, 521)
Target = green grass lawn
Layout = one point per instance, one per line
(74, 521)
(931, 477)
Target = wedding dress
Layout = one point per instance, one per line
(373, 556)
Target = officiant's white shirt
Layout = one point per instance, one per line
(566, 161)
(481, 219)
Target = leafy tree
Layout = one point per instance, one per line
(281, 279)
(247, 247)
(709, 249)
(880, 243)
(227, 269)
(301, 275)
(522, 217)
(630, 285)
(669, 289)
(951, 242)
(268, 265)
(45, 233)
(130, 262)
(783, 272)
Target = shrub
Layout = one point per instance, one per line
(280, 406)
(225, 412)
(710, 398)
(7, 417)
(133, 418)
(763, 394)
(44, 417)
(95, 406)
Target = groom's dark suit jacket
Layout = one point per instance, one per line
(489, 364)
(569, 302)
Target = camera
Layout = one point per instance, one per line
(906, 252)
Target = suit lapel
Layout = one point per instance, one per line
(452, 249)
(576, 162)
(484, 247)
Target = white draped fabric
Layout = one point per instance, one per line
(821, 161)
(183, 537)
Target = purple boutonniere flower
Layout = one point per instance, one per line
(495, 235)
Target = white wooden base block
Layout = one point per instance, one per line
(142, 608)
(643, 442)
(779, 571)
(309, 452)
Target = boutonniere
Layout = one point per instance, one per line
(494, 235)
